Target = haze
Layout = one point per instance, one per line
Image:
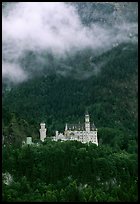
(54, 27)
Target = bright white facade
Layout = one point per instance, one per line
(42, 132)
(84, 133)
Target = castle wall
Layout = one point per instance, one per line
(82, 136)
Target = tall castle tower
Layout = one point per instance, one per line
(87, 122)
(42, 132)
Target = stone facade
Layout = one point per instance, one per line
(84, 133)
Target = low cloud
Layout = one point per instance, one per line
(13, 72)
(53, 27)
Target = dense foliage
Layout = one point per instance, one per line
(72, 171)
(69, 171)
(59, 90)
(110, 95)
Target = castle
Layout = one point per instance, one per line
(84, 133)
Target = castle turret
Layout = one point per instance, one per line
(66, 127)
(87, 122)
(29, 140)
(42, 132)
(56, 134)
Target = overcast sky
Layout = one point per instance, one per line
(55, 27)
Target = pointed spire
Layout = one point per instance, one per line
(87, 119)
(86, 112)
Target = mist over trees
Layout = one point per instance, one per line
(55, 80)
(72, 171)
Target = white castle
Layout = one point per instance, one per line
(84, 133)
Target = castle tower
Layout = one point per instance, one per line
(56, 135)
(87, 122)
(29, 140)
(66, 127)
(42, 132)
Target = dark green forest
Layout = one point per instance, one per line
(72, 171)
(59, 89)
(109, 95)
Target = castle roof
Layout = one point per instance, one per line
(79, 127)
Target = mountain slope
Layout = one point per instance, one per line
(110, 94)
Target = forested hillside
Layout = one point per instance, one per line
(110, 94)
(60, 60)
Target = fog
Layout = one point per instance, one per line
(54, 27)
